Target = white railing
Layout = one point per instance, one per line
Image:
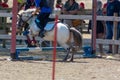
(86, 17)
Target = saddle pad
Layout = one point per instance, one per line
(49, 26)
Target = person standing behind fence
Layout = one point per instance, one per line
(104, 9)
(0, 3)
(71, 7)
(4, 4)
(100, 28)
(113, 8)
(21, 4)
(29, 4)
(82, 6)
(25, 4)
(59, 4)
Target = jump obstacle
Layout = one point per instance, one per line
(87, 49)
(38, 49)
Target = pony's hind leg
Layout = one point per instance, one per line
(72, 56)
(68, 52)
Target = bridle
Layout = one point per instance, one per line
(25, 23)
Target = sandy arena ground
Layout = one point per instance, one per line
(80, 69)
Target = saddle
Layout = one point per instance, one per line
(49, 26)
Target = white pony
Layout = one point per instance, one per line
(68, 38)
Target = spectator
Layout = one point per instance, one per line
(100, 27)
(25, 4)
(29, 4)
(0, 2)
(71, 7)
(21, 4)
(59, 4)
(21, 1)
(113, 8)
(82, 6)
(4, 4)
(104, 8)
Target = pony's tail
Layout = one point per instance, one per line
(77, 37)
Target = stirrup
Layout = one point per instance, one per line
(42, 34)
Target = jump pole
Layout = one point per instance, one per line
(24, 49)
(13, 36)
(54, 49)
(94, 27)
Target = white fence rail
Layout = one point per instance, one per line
(5, 14)
(87, 17)
(85, 40)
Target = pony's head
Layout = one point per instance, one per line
(27, 21)
(24, 17)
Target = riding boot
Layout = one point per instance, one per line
(38, 23)
(42, 33)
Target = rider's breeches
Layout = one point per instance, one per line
(43, 19)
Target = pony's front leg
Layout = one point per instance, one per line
(68, 52)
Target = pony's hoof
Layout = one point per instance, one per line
(42, 35)
(64, 60)
(71, 60)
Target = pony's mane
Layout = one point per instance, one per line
(20, 12)
(30, 10)
(26, 11)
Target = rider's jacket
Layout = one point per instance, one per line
(43, 5)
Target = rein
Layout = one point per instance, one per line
(29, 18)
